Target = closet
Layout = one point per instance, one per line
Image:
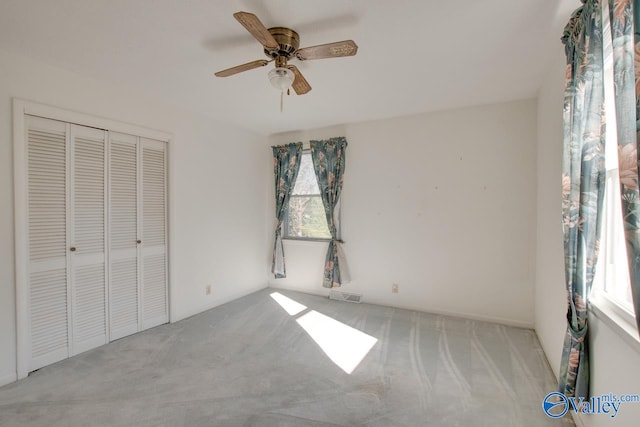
(96, 237)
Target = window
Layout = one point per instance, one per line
(612, 287)
(305, 218)
(612, 279)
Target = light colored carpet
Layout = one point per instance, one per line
(250, 363)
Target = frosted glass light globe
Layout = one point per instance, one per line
(281, 78)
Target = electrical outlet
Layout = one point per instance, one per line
(207, 290)
(394, 288)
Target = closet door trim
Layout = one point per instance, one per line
(22, 108)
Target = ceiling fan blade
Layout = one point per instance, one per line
(329, 50)
(300, 84)
(240, 68)
(257, 29)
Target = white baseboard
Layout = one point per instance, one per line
(366, 300)
(8, 378)
(322, 292)
(227, 298)
(470, 316)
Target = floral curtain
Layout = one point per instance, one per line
(286, 164)
(328, 163)
(583, 179)
(626, 52)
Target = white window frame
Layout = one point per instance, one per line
(285, 222)
(611, 262)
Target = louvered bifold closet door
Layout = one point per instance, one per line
(123, 256)
(154, 231)
(87, 252)
(48, 296)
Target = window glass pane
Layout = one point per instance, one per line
(306, 182)
(307, 218)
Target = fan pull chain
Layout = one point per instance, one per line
(281, 101)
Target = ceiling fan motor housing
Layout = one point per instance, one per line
(288, 40)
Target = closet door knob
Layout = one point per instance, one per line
(138, 241)
(72, 248)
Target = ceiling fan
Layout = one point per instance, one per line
(281, 45)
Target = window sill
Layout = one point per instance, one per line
(605, 311)
(304, 240)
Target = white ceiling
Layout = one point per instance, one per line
(414, 55)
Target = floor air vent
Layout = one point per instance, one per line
(344, 296)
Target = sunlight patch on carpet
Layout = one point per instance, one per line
(290, 306)
(344, 345)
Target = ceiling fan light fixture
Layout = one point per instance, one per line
(281, 78)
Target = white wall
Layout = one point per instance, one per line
(218, 210)
(614, 363)
(550, 296)
(442, 204)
